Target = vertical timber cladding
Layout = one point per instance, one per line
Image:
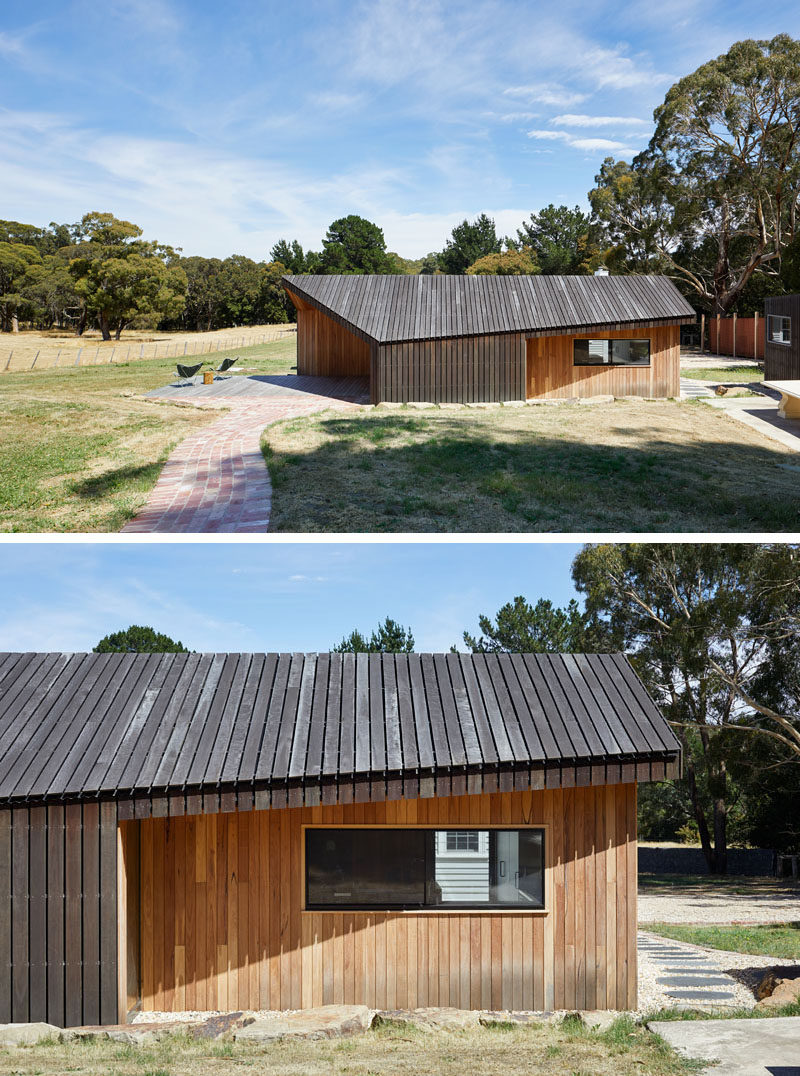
(223, 927)
(459, 369)
(327, 349)
(782, 361)
(552, 373)
(58, 914)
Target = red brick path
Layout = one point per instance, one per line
(216, 480)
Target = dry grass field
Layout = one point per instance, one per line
(399, 1050)
(81, 450)
(631, 465)
(62, 348)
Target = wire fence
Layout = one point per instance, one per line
(25, 357)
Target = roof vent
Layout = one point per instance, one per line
(601, 271)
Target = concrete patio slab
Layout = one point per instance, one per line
(737, 1047)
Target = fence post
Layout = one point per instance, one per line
(734, 335)
(78, 358)
(58, 357)
(718, 319)
(141, 352)
(112, 353)
(35, 357)
(10, 357)
(755, 336)
(702, 333)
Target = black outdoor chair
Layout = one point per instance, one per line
(225, 365)
(188, 372)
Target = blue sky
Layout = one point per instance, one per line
(220, 128)
(276, 596)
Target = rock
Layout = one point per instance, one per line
(389, 405)
(590, 400)
(766, 985)
(599, 1019)
(514, 403)
(451, 406)
(785, 992)
(483, 405)
(325, 1022)
(721, 390)
(420, 405)
(28, 1034)
(444, 1019)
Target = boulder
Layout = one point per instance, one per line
(389, 405)
(589, 400)
(444, 1019)
(28, 1034)
(514, 403)
(599, 1019)
(420, 405)
(451, 406)
(784, 992)
(325, 1022)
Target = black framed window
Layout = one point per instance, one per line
(424, 868)
(779, 329)
(611, 353)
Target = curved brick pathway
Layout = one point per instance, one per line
(216, 480)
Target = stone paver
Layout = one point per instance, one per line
(324, 1022)
(216, 480)
(737, 1047)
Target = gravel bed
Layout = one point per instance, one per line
(195, 1017)
(704, 906)
(653, 996)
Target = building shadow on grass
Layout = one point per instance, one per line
(458, 478)
(111, 481)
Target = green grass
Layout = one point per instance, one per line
(80, 449)
(625, 466)
(737, 884)
(724, 374)
(557, 1049)
(781, 940)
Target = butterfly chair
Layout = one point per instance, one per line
(188, 372)
(225, 365)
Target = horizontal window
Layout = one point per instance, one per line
(424, 868)
(611, 353)
(779, 329)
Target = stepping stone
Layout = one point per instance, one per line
(695, 980)
(700, 995)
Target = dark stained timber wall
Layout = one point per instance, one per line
(464, 369)
(781, 361)
(58, 914)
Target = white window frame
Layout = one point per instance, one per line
(778, 317)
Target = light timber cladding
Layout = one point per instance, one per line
(221, 922)
(325, 348)
(551, 372)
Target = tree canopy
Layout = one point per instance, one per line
(355, 245)
(713, 631)
(469, 241)
(388, 638)
(522, 628)
(714, 197)
(562, 240)
(139, 640)
(508, 263)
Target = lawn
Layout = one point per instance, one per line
(81, 450)
(565, 1050)
(737, 885)
(631, 465)
(777, 939)
(724, 374)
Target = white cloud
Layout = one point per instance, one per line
(546, 93)
(572, 119)
(612, 69)
(588, 145)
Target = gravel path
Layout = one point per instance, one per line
(691, 904)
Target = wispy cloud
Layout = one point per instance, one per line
(546, 94)
(573, 119)
(588, 145)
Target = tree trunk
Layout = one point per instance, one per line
(14, 322)
(700, 818)
(720, 837)
(81, 327)
(104, 330)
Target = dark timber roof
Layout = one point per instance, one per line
(388, 309)
(76, 726)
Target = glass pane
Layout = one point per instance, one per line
(591, 352)
(518, 868)
(365, 866)
(460, 867)
(631, 352)
(780, 330)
